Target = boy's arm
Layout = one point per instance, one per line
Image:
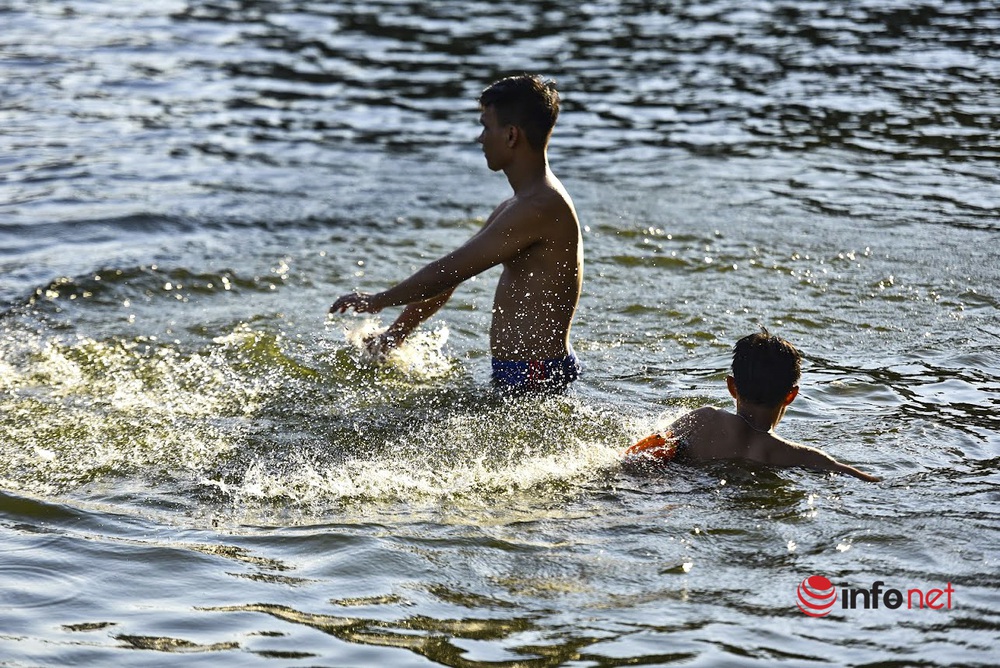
(794, 454)
(411, 318)
(514, 229)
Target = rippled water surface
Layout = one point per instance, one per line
(198, 468)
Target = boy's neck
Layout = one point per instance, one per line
(527, 172)
(758, 417)
(750, 423)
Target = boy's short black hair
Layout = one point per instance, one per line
(765, 368)
(527, 102)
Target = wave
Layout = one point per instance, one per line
(253, 418)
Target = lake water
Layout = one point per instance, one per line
(198, 468)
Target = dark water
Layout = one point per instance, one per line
(198, 468)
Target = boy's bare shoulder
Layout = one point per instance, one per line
(701, 416)
(548, 196)
(705, 433)
(776, 451)
(529, 208)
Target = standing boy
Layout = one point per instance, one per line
(535, 235)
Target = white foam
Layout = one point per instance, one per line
(420, 356)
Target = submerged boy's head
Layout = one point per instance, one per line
(765, 368)
(527, 102)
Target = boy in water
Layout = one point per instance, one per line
(764, 382)
(535, 235)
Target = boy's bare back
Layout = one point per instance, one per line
(710, 433)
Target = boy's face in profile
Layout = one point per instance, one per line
(493, 138)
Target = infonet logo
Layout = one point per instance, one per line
(816, 597)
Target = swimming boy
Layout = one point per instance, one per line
(535, 235)
(764, 382)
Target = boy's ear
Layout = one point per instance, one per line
(731, 384)
(513, 134)
(792, 393)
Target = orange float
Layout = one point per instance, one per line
(655, 445)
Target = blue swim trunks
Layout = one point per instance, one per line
(536, 375)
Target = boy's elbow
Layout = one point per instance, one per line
(867, 477)
(850, 470)
(823, 462)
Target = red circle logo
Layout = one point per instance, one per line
(816, 596)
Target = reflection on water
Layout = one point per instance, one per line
(440, 640)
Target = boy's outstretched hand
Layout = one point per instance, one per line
(358, 301)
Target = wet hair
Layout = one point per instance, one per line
(527, 102)
(765, 368)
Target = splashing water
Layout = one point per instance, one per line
(254, 419)
(421, 357)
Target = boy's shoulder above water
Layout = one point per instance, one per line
(710, 433)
